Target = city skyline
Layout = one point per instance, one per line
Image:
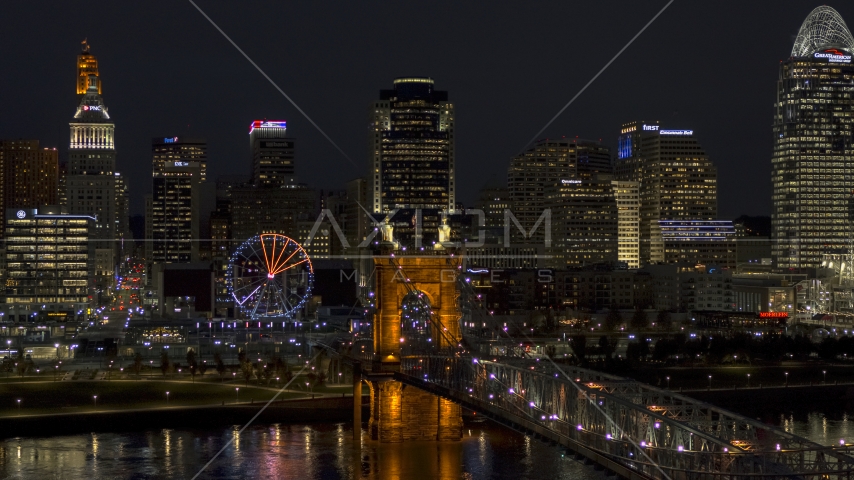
(222, 91)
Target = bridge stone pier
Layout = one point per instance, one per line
(400, 412)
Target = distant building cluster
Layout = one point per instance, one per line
(636, 227)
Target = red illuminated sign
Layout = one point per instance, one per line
(773, 315)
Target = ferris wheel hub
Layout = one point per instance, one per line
(270, 275)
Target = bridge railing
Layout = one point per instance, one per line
(652, 431)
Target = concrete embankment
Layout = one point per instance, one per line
(65, 423)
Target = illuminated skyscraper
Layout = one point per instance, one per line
(677, 180)
(165, 151)
(412, 147)
(175, 209)
(549, 164)
(87, 65)
(272, 154)
(812, 167)
(91, 176)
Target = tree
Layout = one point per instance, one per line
(550, 351)
(639, 319)
(550, 323)
(220, 366)
(191, 363)
(164, 363)
(246, 370)
(663, 319)
(579, 348)
(605, 347)
(137, 363)
(613, 319)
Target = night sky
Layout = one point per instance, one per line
(508, 67)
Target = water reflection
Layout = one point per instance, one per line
(318, 451)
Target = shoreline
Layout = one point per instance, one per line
(324, 409)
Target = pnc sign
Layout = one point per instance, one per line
(833, 56)
(92, 108)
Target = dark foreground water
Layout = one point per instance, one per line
(325, 451)
(316, 451)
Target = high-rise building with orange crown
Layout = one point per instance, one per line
(87, 65)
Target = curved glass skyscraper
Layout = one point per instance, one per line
(812, 168)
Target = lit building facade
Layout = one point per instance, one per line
(166, 151)
(544, 166)
(270, 210)
(812, 166)
(412, 148)
(175, 205)
(49, 262)
(627, 196)
(272, 154)
(677, 179)
(696, 242)
(28, 174)
(584, 222)
(87, 65)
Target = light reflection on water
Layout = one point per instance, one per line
(317, 451)
(819, 428)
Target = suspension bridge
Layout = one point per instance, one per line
(422, 371)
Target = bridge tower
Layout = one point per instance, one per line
(400, 412)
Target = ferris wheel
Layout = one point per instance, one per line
(269, 276)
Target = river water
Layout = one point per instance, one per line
(314, 451)
(322, 451)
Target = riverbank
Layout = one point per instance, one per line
(326, 409)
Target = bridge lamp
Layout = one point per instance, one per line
(643, 444)
(579, 427)
(608, 436)
(680, 448)
(511, 391)
(532, 404)
(542, 417)
(842, 441)
(778, 446)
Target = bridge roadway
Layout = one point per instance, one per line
(635, 430)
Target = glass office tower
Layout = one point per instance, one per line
(813, 158)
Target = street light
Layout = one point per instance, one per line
(668, 382)
(167, 398)
(237, 394)
(787, 378)
(710, 382)
(94, 400)
(19, 406)
(824, 372)
(748, 380)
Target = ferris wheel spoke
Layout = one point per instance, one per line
(260, 299)
(293, 264)
(280, 265)
(276, 263)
